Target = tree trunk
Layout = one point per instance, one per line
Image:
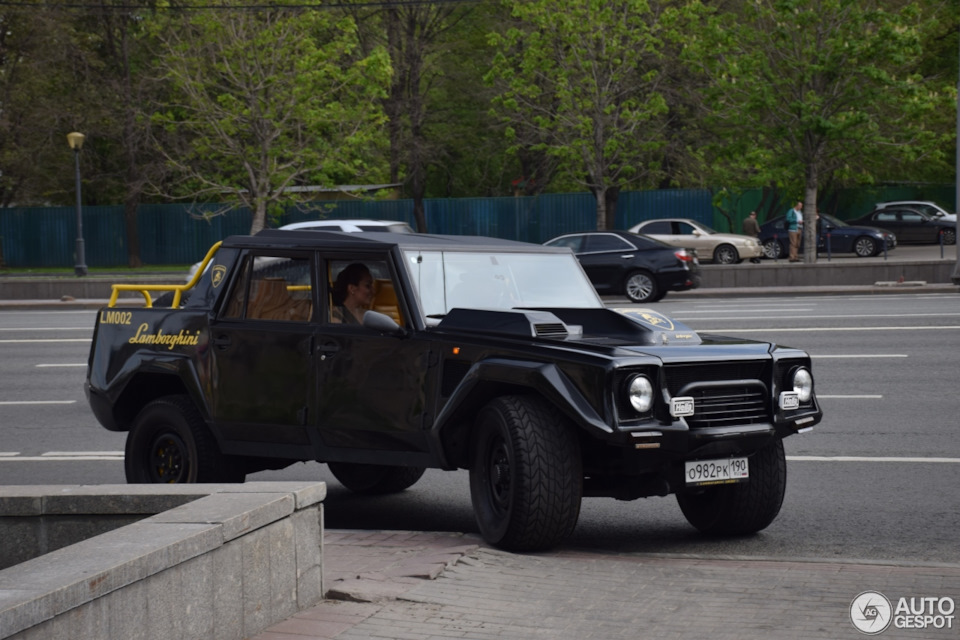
(600, 194)
(259, 216)
(810, 217)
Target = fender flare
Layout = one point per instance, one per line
(494, 377)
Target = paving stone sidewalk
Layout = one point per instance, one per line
(406, 586)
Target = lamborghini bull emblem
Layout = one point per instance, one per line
(217, 275)
(652, 318)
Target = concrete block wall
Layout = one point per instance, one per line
(233, 561)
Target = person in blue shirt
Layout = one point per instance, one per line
(794, 222)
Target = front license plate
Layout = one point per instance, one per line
(706, 472)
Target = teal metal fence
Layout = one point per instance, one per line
(41, 237)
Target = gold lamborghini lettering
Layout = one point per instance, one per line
(168, 340)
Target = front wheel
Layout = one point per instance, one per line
(949, 236)
(865, 247)
(171, 444)
(742, 508)
(375, 479)
(726, 254)
(526, 478)
(640, 286)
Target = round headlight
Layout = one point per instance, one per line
(803, 384)
(640, 390)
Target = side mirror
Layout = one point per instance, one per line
(382, 323)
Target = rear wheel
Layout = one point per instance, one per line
(526, 478)
(726, 254)
(171, 444)
(375, 479)
(743, 508)
(865, 247)
(640, 286)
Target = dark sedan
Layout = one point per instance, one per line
(911, 225)
(640, 267)
(842, 238)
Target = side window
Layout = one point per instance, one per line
(573, 242)
(361, 285)
(685, 229)
(660, 227)
(886, 216)
(278, 288)
(607, 242)
(913, 216)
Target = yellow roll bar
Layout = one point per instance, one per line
(178, 289)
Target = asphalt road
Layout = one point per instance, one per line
(878, 479)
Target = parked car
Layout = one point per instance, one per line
(921, 205)
(844, 238)
(723, 248)
(910, 225)
(489, 355)
(640, 267)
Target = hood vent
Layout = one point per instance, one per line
(550, 330)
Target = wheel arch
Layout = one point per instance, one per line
(150, 382)
(497, 377)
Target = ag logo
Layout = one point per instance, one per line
(871, 612)
(651, 318)
(217, 275)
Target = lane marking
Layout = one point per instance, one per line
(46, 329)
(118, 458)
(80, 364)
(872, 459)
(13, 402)
(685, 317)
(61, 340)
(934, 328)
(863, 355)
(852, 397)
(82, 453)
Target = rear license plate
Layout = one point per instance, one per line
(706, 472)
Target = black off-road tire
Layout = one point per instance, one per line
(171, 444)
(743, 508)
(526, 477)
(375, 479)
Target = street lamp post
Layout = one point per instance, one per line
(76, 143)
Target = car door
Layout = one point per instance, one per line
(262, 379)
(606, 258)
(372, 386)
(916, 227)
(888, 219)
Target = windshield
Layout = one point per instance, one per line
(479, 280)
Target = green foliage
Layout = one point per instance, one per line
(581, 85)
(270, 100)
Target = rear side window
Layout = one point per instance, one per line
(277, 288)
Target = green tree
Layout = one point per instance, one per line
(809, 90)
(582, 79)
(267, 100)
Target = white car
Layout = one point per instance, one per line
(925, 206)
(349, 226)
(722, 248)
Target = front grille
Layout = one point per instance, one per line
(722, 406)
(727, 394)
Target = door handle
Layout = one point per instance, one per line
(222, 342)
(328, 349)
